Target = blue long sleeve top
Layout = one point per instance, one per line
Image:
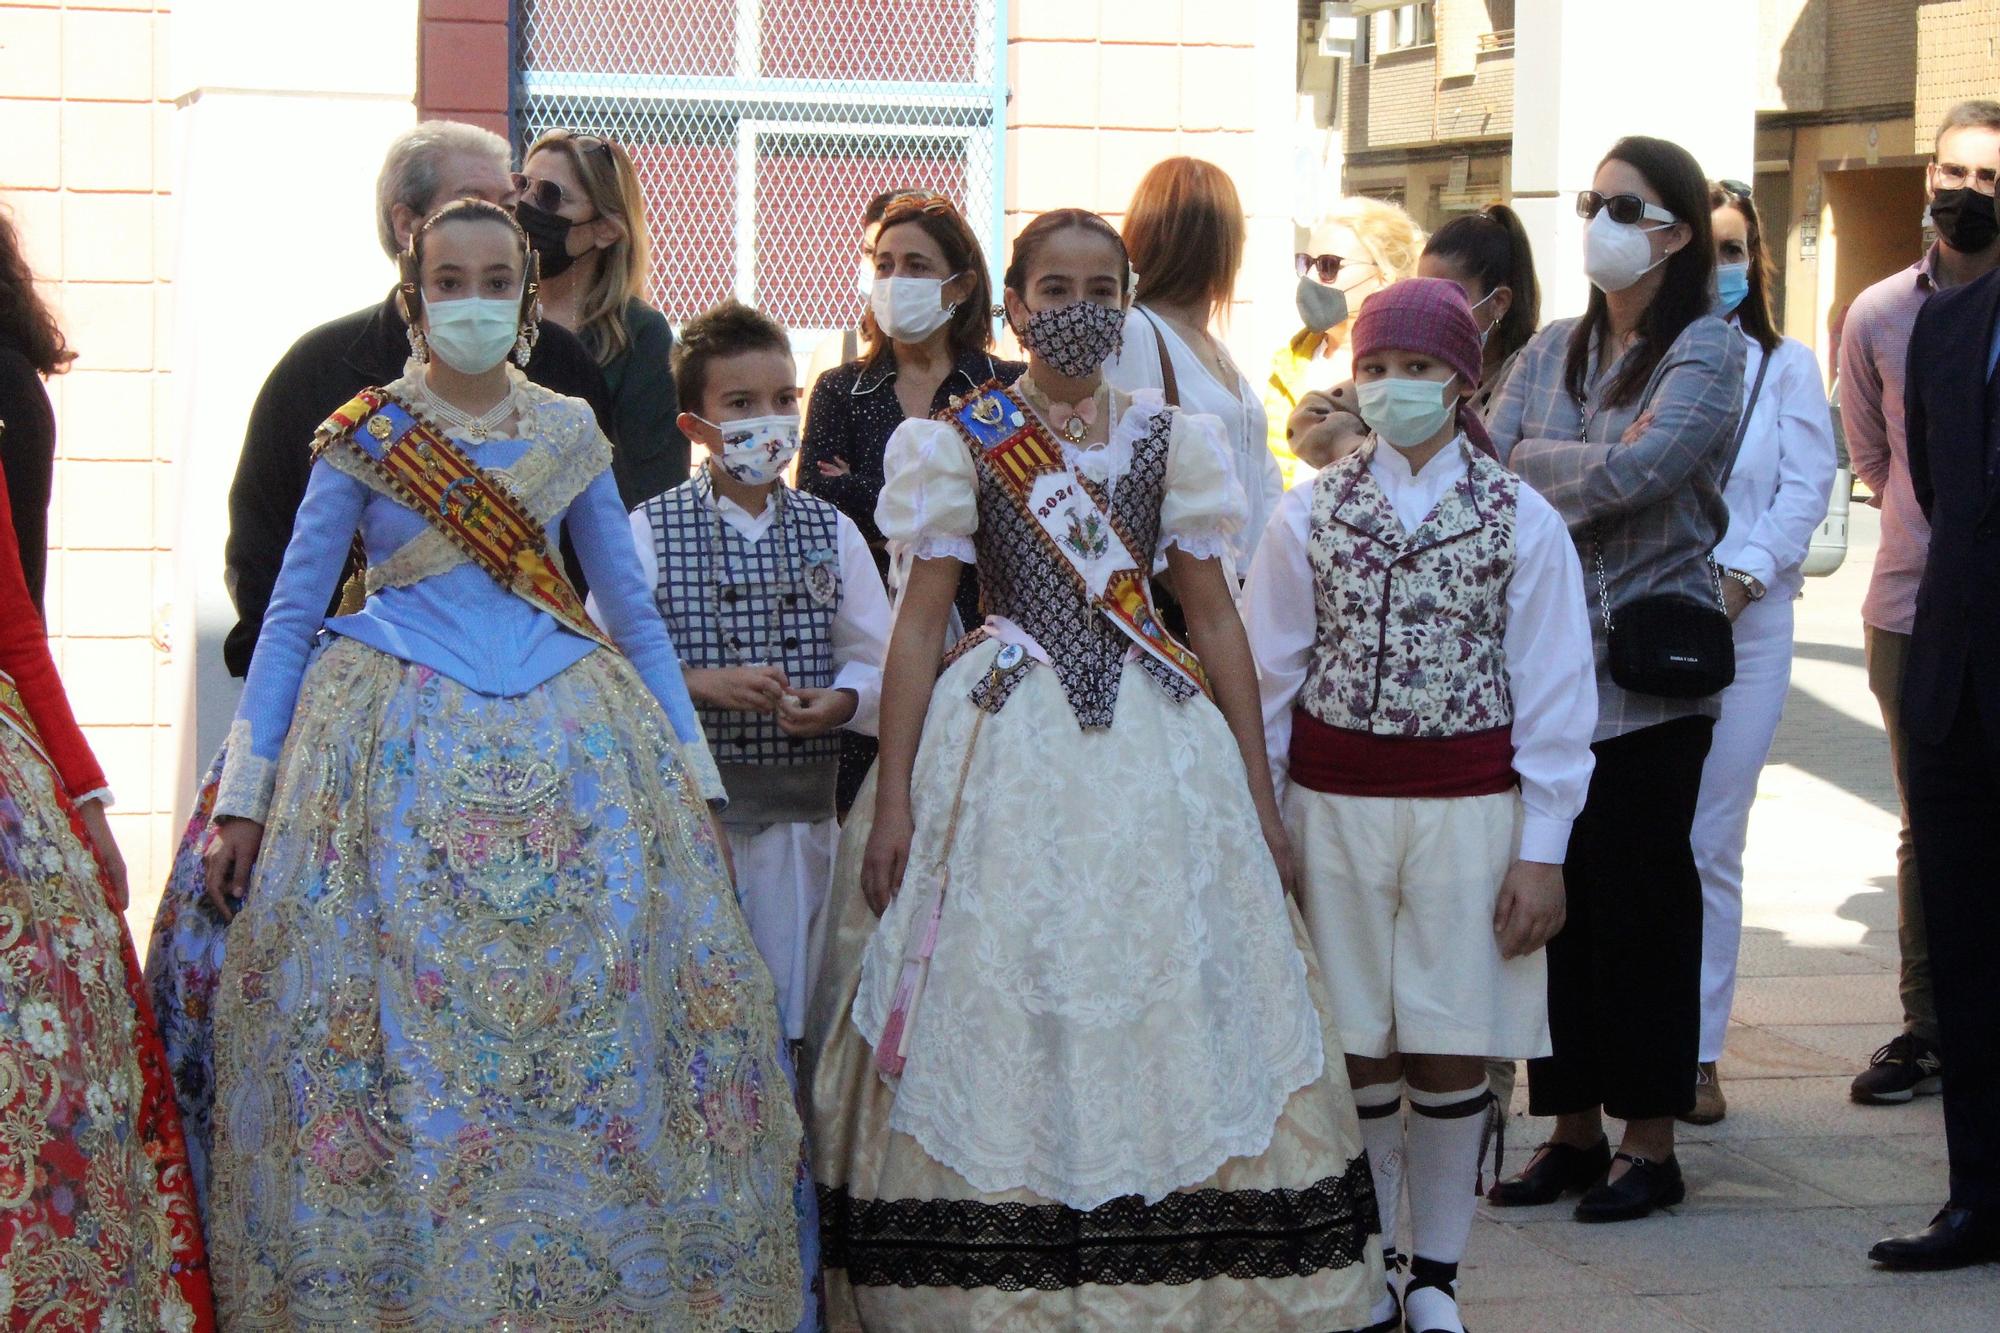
(428, 604)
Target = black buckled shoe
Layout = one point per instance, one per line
(1646, 1185)
(1556, 1169)
(1955, 1238)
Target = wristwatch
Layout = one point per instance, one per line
(1750, 583)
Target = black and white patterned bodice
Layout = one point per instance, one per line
(1021, 578)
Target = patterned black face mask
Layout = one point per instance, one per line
(1076, 339)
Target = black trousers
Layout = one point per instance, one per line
(1625, 972)
(1954, 788)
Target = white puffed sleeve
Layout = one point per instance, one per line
(1204, 505)
(930, 491)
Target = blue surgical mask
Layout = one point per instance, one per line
(1732, 286)
(1406, 412)
(474, 334)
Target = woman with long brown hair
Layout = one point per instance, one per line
(585, 213)
(928, 338)
(1184, 231)
(1777, 495)
(32, 348)
(1625, 420)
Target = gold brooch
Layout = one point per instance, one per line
(986, 410)
(380, 426)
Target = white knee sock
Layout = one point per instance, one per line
(1380, 1107)
(1444, 1134)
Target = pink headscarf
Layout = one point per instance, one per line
(1427, 315)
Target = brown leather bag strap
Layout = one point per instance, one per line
(1167, 381)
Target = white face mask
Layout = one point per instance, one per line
(1486, 332)
(756, 450)
(910, 309)
(864, 279)
(1617, 254)
(475, 334)
(1406, 412)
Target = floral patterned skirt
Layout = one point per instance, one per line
(98, 1228)
(493, 1046)
(183, 963)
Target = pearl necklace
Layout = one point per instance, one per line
(480, 427)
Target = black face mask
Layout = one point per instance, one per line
(548, 233)
(1966, 219)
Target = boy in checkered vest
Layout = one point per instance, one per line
(1422, 646)
(781, 621)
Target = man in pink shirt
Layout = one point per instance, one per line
(1874, 348)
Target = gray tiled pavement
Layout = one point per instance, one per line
(1787, 1193)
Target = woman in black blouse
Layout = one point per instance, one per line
(585, 213)
(32, 348)
(930, 335)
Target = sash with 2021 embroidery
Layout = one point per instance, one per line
(476, 512)
(1077, 527)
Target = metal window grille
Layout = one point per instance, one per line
(760, 129)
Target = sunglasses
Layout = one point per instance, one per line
(1736, 188)
(546, 194)
(1625, 208)
(1325, 267)
(920, 201)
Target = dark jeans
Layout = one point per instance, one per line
(1954, 794)
(1625, 973)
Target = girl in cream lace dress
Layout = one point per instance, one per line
(1079, 1075)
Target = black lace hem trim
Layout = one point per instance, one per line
(1187, 1237)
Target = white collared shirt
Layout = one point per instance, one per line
(1551, 671)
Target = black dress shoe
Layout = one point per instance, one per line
(1956, 1237)
(1646, 1185)
(1556, 1169)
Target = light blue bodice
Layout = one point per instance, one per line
(430, 606)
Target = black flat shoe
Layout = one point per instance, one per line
(1556, 1169)
(1955, 1238)
(1646, 1185)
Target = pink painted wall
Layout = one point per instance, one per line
(463, 66)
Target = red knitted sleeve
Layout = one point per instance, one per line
(24, 655)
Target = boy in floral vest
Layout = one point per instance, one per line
(781, 622)
(1420, 630)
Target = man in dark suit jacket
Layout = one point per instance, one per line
(426, 168)
(1951, 713)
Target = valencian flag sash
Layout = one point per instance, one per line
(1019, 451)
(475, 511)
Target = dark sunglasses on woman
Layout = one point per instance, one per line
(1325, 267)
(1625, 208)
(546, 194)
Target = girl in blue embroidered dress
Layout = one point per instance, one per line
(493, 1044)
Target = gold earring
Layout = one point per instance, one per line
(420, 347)
(524, 343)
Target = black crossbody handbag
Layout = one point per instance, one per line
(1668, 645)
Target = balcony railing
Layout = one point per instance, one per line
(1503, 40)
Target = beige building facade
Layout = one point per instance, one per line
(1848, 95)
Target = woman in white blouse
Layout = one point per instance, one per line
(1184, 231)
(1777, 495)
